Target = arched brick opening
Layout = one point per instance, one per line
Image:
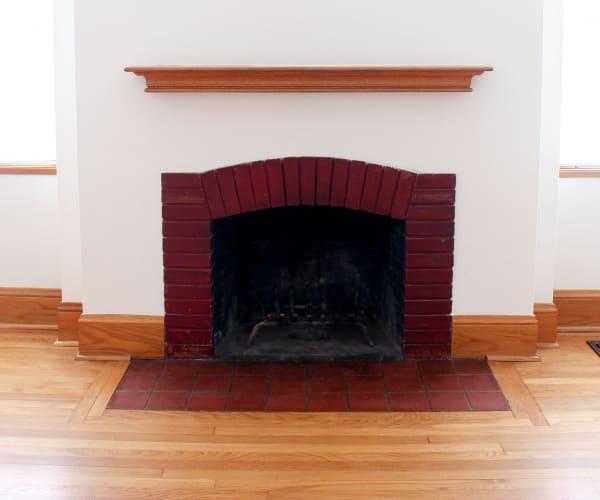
(424, 201)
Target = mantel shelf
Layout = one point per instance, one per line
(308, 78)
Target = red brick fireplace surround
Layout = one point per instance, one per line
(191, 201)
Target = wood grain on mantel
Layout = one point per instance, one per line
(309, 78)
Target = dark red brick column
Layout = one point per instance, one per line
(429, 261)
(191, 201)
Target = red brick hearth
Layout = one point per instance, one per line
(424, 201)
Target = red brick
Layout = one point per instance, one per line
(422, 245)
(428, 276)
(275, 182)
(184, 195)
(424, 351)
(186, 260)
(188, 321)
(435, 181)
(184, 180)
(371, 188)
(244, 189)
(430, 212)
(427, 322)
(427, 292)
(291, 176)
(429, 260)
(259, 185)
(428, 337)
(339, 183)
(387, 191)
(433, 197)
(419, 228)
(213, 195)
(183, 336)
(286, 402)
(356, 182)
(195, 277)
(403, 195)
(228, 191)
(183, 306)
(189, 351)
(308, 179)
(187, 292)
(427, 306)
(186, 245)
(324, 173)
(448, 401)
(187, 229)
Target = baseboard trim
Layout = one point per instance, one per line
(500, 357)
(494, 335)
(66, 343)
(29, 308)
(547, 318)
(578, 310)
(102, 357)
(137, 336)
(42, 327)
(67, 316)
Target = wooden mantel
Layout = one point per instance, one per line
(308, 78)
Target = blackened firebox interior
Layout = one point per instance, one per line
(307, 283)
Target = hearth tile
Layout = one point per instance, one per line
(208, 401)
(142, 367)
(251, 369)
(286, 402)
(170, 400)
(488, 401)
(138, 382)
(326, 370)
(287, 385)
(368, 402)
(400, 368)
(250, 383)
(174, 384)
(288, 370)
(403, 383)
(216, 368)
(212, 383)
(180, 368)
(442, 383)
(482, 382)
(327, 402)
(371, 368)
(246, 401)
(436, 366)
(408, 401)
(471, 366)
(128, 400)
(448, 401)
(365, 384)
(327, 384)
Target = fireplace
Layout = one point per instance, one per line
(308, 259)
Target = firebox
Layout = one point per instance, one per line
(308, 259)
(307, 283)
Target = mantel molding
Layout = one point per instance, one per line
(308, 78)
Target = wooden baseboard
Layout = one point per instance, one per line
(120, 334)
(35, 308)
(491, 335)
(578, 310)
(67, 316)
(547, 318)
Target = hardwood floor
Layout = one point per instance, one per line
(57, 441)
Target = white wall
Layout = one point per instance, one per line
(578, 252)
(545, 255)
(66, 153)
(29, 231)
(490, 137)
